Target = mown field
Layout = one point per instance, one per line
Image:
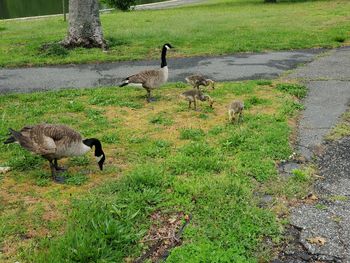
(165, 165)
(210, 28)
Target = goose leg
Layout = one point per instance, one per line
(60, 169)
(195, 104)
(55, 177)
(149, 98)
(189, 104)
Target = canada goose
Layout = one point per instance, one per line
(199, 80)
(235, 109)
(151, 79)
(193, 95)
(54, 142)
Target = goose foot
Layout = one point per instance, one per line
(61, 169)
(59, 179)
(151, 99)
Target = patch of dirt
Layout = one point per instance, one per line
(164, 234)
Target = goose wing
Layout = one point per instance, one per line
(195, 79)
(144, 76)
(44, 139)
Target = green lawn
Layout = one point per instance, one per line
(163, 162)
(211, 28)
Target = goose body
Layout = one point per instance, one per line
(54, 142)
(151, 79)
(235, 109)
(199, 80)
(195, 94)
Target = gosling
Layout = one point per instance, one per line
(193, 95)
(235, 111)
(199, 80)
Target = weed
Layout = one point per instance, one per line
(296, 90)
(79, 161)
(136, 140)
(191, 134)
(321, 207)
(339, 198)
(53, 49)
(203, 116)
(161, 118)
(216, 130)
(114, 42)
(263, 82)
(75, 179)
(300, 175)
(23, 160)
(75, 106)
(111, 138)
(340, 39)
(254, 100)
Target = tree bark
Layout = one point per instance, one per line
(85, 28)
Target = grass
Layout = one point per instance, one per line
(216, 27)
(342, 129)
(161, 158)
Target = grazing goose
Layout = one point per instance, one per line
(54, 142)
(199, 80)
(235, 109)
(193, 95)
(151, 79)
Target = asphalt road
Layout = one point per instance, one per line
(243, 66)
(328, 217)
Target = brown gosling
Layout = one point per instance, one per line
(199, 80)
(193, 95)
(235, 110)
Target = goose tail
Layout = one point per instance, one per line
(13, 136)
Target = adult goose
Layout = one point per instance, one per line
(151, 79)
(54, 142)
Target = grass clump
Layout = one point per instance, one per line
(296, 90)
(161, 118)
(108, 224)
(191, 134)
(53, 49)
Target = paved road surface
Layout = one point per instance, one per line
(221, 68)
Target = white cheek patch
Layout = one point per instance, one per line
(167, 47)
(98, 158)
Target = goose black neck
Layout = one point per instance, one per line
(94, 142)
(164, 64)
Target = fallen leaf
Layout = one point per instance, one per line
(320, 241)
(312, 196)
(172, 220)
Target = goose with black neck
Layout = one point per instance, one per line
(54, 142)
(151, 79)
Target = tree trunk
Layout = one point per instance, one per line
(85, 28)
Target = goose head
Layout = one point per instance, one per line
(99, 154)
(167, 46)
(211, 83)
(210, 100)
